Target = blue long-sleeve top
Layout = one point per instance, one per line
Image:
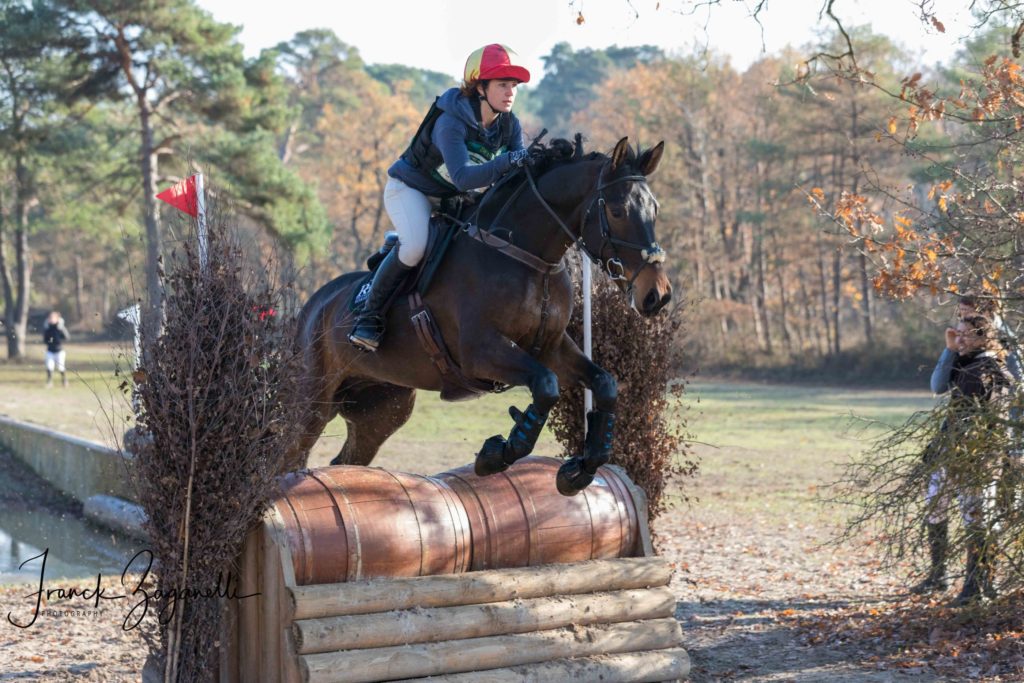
(941, 373)
(449, 136)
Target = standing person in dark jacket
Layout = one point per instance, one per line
(977, 380)
(468, 140)
(54, 336)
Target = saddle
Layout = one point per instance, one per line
(443, 231)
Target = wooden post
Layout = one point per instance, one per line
(248, 610)
(474, 621)
(272, 633)
(494, 585)
(631, 667)
(480, 654)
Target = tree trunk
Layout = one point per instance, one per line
(823, 292)
(760, 298)
(867, 299)
(780, 279)
(837, 264)
(809, 314)
(7, 284)
(286, 149)
(79, 289)
(17, 333)
(153, 316)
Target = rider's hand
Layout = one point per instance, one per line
(519, 157)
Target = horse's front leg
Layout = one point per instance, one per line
(505, 362)
(575, 368)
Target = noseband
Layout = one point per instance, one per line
(650, 251)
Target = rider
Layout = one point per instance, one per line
(469, 139)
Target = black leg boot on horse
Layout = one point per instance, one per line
(498, 452)
(369, 327)
(576, 474)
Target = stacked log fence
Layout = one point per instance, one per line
(359, 574)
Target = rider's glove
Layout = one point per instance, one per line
(519, 157)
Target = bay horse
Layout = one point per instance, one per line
(501, 299)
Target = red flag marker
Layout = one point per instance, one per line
(183, 196)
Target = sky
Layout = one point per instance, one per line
(440, 34)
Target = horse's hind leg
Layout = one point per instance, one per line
(314, 418)
(372, 413)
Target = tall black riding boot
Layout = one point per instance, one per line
(369, 327)
(938, 545)
(976, 575)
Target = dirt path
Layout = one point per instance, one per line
(744, 586)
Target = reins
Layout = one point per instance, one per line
(651, 252)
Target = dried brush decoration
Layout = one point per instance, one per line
(216, 408)
(644, 356)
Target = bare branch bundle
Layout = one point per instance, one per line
(216, 408)
(943, 465)
(643, 354)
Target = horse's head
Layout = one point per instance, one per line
(618, 228)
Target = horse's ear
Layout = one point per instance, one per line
(648, 161)
(619, 153)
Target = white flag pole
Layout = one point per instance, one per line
(588, 342)
(201, 219)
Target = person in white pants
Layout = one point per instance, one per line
(54, 336)
(468, 139)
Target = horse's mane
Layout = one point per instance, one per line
(559, 152)
(546, 157)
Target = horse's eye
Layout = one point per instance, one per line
(617, 212)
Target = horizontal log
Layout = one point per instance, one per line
(429, 625)
(494, 652)
(631, 667)
(494, 585)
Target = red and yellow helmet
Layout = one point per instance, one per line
(492, 62)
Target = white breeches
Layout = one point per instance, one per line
(54, 359)
(974, 502)
(409, 211)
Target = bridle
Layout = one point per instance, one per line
(650, 251)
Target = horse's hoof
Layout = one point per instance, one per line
(491, 458)
(572, 478)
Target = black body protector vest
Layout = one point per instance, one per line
(424, 155)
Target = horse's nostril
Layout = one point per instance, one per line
(651, 300)
(665, 299)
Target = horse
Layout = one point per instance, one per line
(501, 299)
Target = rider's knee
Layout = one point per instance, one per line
(410, 253)
(606, 391)
(545, 391)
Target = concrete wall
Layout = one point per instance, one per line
(77, 467)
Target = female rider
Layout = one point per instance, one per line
(469, 139)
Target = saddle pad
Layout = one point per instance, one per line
(360, 292)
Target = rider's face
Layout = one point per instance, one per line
(501, 95)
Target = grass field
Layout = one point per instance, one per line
(765, 449)
(769, 449)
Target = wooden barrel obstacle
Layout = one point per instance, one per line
(370, 575)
